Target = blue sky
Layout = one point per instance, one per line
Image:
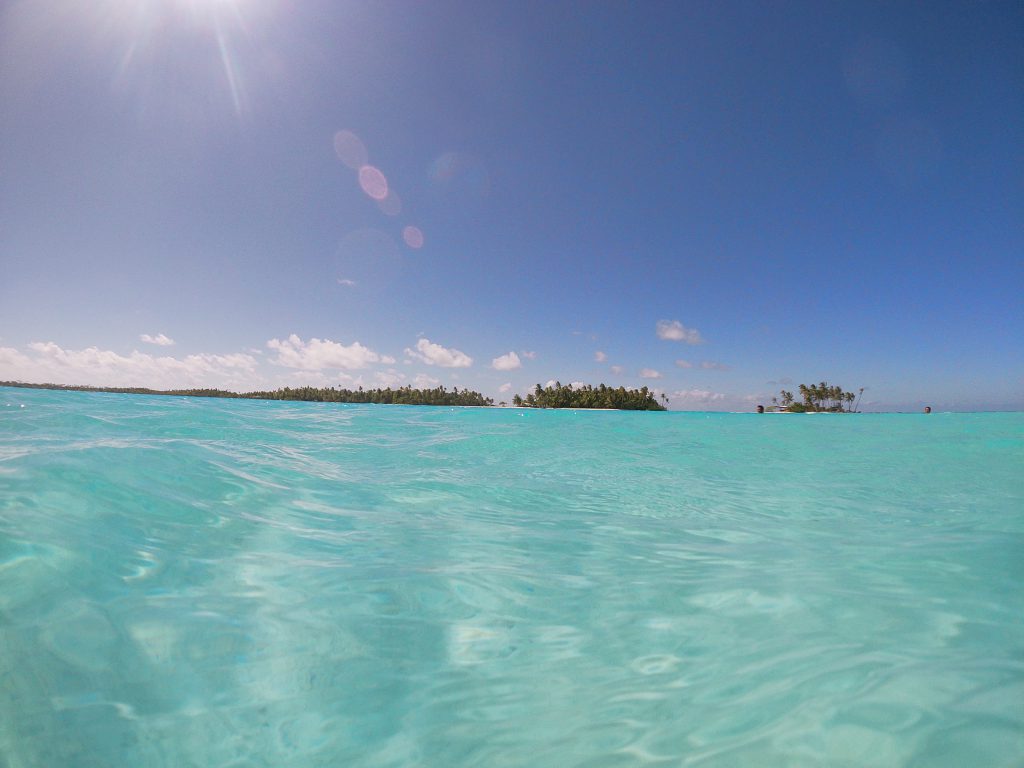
(714, 199)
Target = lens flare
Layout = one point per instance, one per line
(350, 150)
(413, 236)
(373, 182)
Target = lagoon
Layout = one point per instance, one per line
(186, 581)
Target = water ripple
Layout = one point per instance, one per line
(193, 582)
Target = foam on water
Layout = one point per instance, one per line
(245, 583)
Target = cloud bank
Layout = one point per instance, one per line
(48, 362)
(318, 354)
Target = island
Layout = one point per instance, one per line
(816, 398)
(558, 395)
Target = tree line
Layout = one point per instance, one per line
(401, 396)
(601, 396)
(386, 396)
(555, 396)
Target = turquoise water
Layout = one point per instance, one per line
(191, 582)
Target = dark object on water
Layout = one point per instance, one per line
(760, 409)
(927, 409)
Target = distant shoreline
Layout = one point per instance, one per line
(224, 394)
(438, 396)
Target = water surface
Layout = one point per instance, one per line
(193, 582)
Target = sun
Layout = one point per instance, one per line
(205, 45)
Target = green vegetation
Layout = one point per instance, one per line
(401, 396)
(388, 396)
(559, 396)
(817, 398)
(555, 396)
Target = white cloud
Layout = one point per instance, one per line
(12, 359)
(600, 356)
(684, 364)
(507, 362)
(711, 365)
(673, 330)
(345, 281)
(318, 354)
(307, 379)
(434, 354)
(529, 355)
(506, 387)
(160, 340)
(649, 373)
(616, 369)
(697, 396)
(423, 381)
(388, 378)
(48, 362)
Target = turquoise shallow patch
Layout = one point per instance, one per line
(244, 583)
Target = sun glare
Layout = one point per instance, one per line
(180, 35)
